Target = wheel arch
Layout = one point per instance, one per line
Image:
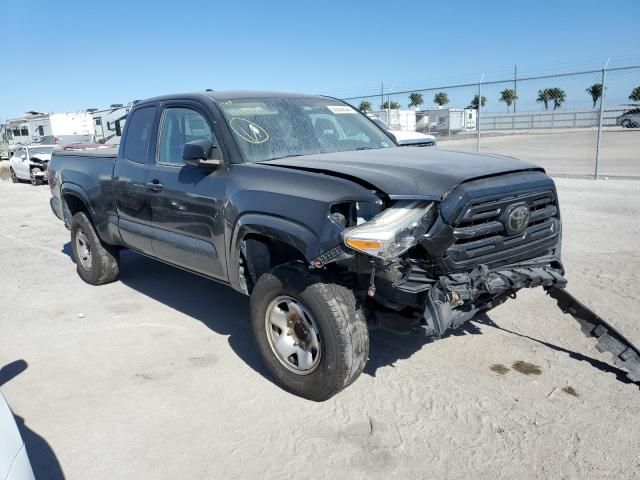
(74, 200)
(265, 241)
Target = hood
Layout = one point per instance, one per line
(43, 157)
(402, 135)
(408, 172)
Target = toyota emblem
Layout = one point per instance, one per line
(516, 218)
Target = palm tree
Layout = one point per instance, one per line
(544, 96)
(441, 99)
(415, 100)
(635, 94)
(508, 96)
(595, 91)
(558, 96)
(365, 106)
(474, 102)
(393, 106)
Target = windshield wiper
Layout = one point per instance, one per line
(284, 156)
(365, 148)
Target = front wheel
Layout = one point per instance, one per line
(311, 334)
(14, 177)
(36, 180)
(96, 262)
(626, 123)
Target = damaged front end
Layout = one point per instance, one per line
(456, 298)
(38, 170)
(469, 253)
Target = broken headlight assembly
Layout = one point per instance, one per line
(393, 231)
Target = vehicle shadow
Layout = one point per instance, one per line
(217, 306)
(621, 375)
(43, 460)
(226, 312)
(387, 348)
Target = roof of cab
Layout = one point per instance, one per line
(219, 96)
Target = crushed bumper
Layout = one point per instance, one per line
(625, 354)
(456, 298)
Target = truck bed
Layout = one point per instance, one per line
(87, 174)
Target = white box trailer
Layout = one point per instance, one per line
(447, 121)
(398, 119)
(50, 128)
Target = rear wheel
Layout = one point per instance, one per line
(311, 334)
(96, 262)
(626, 123)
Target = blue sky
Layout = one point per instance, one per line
(72, 55)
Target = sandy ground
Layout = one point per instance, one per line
(156, 377)
(564, 152)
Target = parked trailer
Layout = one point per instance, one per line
(53, 128)
(108, 123)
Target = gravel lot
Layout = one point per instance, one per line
(156, 377)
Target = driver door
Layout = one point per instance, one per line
(186, 202)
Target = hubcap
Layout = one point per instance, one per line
(293, 335)
(84, 249)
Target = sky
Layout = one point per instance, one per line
(71, 55)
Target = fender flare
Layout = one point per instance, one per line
(77, 191)
(293, 233)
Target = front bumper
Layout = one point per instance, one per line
(456, 298)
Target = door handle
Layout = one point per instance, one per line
(155, 186)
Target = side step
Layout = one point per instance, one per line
(625, 354)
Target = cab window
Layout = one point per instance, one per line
(179, 126)
(136, 145)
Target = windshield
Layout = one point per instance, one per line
(40, 150)
(270, 128)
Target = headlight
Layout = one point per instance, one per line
(392, 232)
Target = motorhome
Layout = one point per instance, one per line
(54, 128)
(108, 123)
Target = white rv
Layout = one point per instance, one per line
(108, 123)
(53, 128)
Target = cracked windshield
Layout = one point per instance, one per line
(289, 127)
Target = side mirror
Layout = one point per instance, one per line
(202, 153)
(23, 156)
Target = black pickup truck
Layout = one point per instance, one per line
(305, 204)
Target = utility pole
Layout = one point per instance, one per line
(604, 77)
(381, 94)
(478, 113)
(515, 87)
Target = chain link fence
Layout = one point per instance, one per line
(582, 124)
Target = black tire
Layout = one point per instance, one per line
(344, 336)
(103, 265)
(35, 180)
(626, 123)
(14, 177)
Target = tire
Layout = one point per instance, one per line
(626, 123)
(96, 262)
(343, 336)
(14, 177)
(35, 180)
